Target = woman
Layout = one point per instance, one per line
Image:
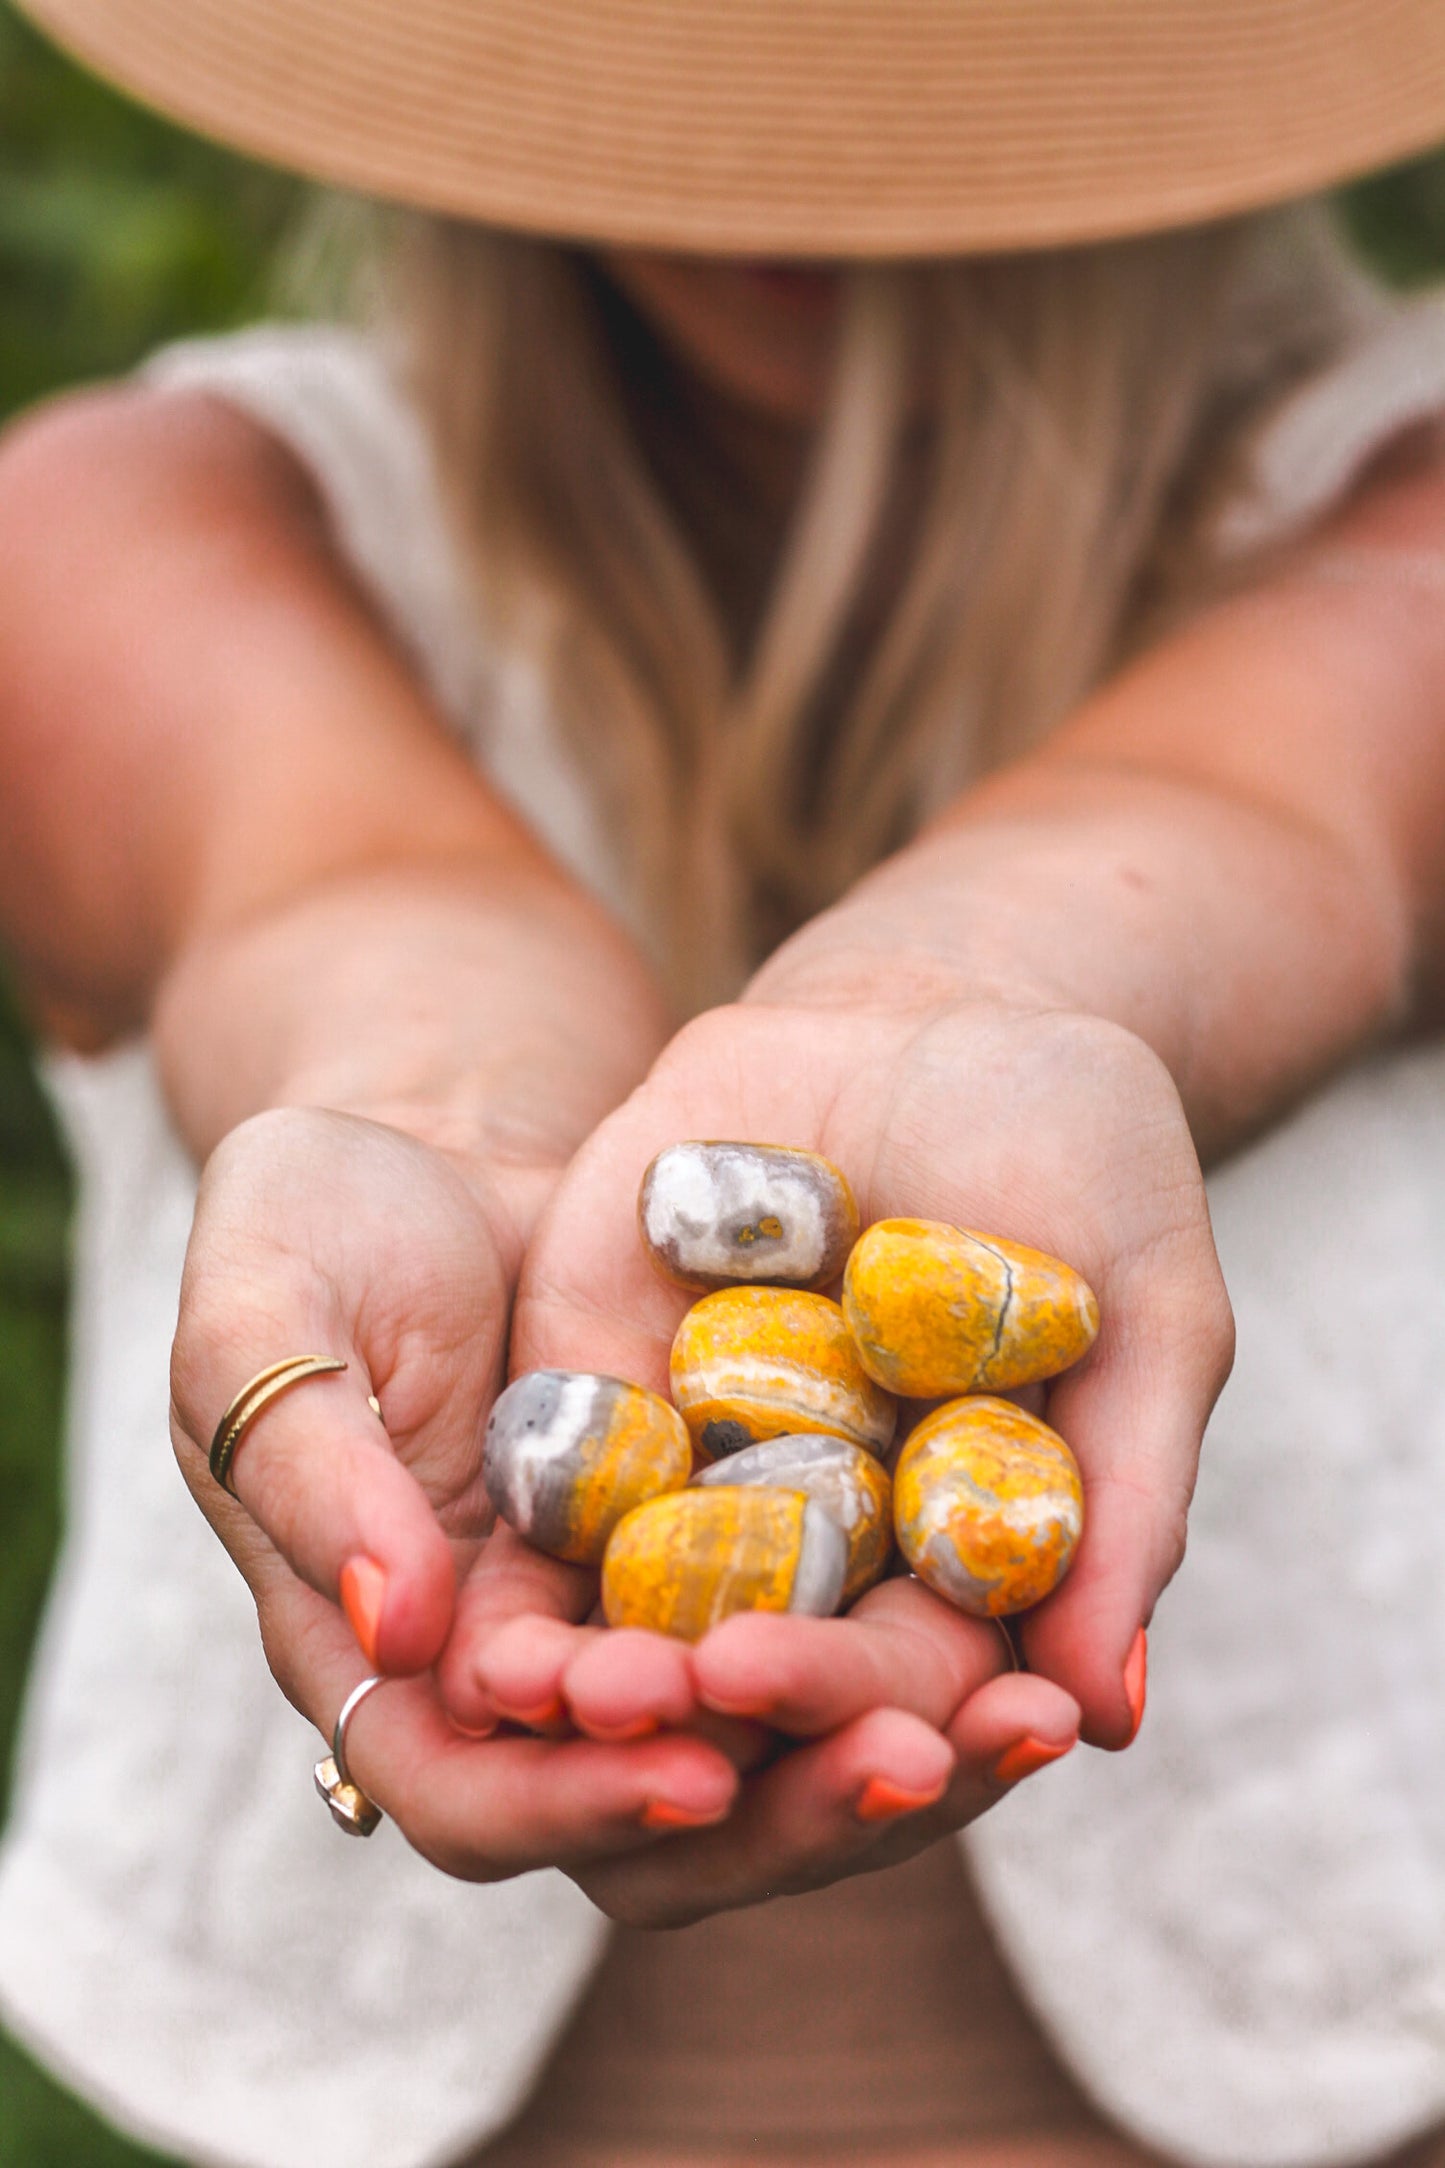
(1148, 530)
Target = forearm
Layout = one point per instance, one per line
(1231, 851)
(232, 813)
(481, 1004)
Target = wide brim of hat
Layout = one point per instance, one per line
(794, 127)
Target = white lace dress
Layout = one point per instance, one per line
(1235, 1933)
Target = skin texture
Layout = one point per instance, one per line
(426, 1076)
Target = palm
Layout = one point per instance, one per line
(1057, 1130)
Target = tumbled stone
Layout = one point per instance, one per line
(724, 1215)
(759, 1362)
(848, 1483)
(988, 1506)
(680, 1564)
(568, 1453)
(935, 1309)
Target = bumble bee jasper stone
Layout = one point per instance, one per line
(763, 1362)
(936, 1309)
(849, 1484)
(719, 1215)
(567, 1453)
(988, 1506)
(678, 1565)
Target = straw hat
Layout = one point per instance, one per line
(795, 127)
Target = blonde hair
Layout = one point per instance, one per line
(1071, 396)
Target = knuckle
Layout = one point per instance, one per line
(277, 1490)
(431, 1834)
(626, 1905)
(1173, 1541)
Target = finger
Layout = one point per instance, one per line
(900, 1647)
(588, 1297)
(1122, 1199)
(316, 1473)
(866, 1797)
(506, 1805)
(629, 1684)
(808, 1819)
(517, 1625)
(1010, 1729)
(1135, 1418)
(482, 1809)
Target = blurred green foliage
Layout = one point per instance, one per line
(118, 232)
(1398, 220)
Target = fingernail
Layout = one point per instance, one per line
(1136, 1681)
(756, 1705)
(474, 1731)
(641, 1727)
(363, 1599)
(1027, 1755)
(546, 1712)
(883, 1801)
(664, 1814)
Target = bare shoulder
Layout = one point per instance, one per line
(184, 661)
(130, 446)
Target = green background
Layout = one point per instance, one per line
(117, 232)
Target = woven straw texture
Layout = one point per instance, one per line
(813, 127)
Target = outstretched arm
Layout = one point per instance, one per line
(384, 1019)
(1216, 882)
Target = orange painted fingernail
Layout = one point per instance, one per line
(641, 1727)
(546, 1712)
(663, 1814)
(1026, 1756)
(1136, 1681)
(883, 1801)
(363, 1599)
(473, 1731)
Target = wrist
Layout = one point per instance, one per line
(924, 931)
(1247, 950)
(495, 1020)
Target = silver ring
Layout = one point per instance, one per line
(349, 1708)
(351, 1810)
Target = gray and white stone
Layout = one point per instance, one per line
(725, 1215)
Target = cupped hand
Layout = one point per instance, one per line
(858, 1740)
(1056, 1129)
(325, 1233)
(319, 1232)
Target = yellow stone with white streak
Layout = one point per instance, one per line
(761, 1362)
(935, 1309)
(679, 1565)
(988, 1506)
(848, 1483)
(568, 1452)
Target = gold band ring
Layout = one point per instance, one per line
(351, 1810)
(256, 1394)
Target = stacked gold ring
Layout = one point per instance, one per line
(257, 1394)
